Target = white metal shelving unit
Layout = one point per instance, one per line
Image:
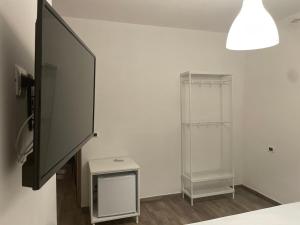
(206, 134)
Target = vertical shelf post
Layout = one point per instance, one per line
(190, 137)
(231, 138)
(182, 137)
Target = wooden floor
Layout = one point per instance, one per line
(169, 210)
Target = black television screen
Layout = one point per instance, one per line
(64, 96)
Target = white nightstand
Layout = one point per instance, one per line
(114, 189)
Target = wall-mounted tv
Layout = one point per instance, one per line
(64, 95)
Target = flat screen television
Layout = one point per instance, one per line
(64, 96)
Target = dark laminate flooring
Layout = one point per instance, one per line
(168, 210)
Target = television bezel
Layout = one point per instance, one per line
(40, 179)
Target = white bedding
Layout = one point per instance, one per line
(288, 214)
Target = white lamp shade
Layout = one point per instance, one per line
(253, 28)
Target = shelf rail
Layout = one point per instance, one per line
(212, 123)
(208, 82)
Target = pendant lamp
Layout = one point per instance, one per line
(253, 28)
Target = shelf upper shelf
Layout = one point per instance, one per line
(204, 74)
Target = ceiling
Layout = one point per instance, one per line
(212, 15)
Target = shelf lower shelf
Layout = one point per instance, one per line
(200, 193)
(209, 176)
(96, 219)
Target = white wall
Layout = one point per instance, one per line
(272, 118)
(18, 205)
(137, 94)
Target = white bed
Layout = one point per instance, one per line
(288, 214)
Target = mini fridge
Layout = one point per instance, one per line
(117, 194)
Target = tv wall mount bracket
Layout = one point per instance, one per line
(25, 86)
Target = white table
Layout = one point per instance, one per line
(115, 165)
(288, 214)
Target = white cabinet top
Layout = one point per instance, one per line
(112, 165)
